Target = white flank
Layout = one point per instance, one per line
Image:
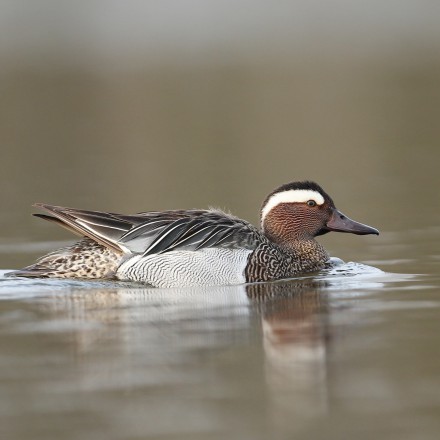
(291, 196)
(206, 267)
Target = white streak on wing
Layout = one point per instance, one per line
(291, 196)
(123, 248)
(178, 243)
(86, 224)
(157, 241)
(142, 225)
(207, 267)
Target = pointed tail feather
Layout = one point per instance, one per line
(103, 228)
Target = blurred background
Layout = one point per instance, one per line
(148, 105)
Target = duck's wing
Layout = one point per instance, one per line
(207, 230)
(155, 232)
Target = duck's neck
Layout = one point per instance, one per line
(309, 251)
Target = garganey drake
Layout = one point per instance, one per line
(198, 247)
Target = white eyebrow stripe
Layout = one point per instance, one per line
(291, 196)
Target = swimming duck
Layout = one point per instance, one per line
(198, 247)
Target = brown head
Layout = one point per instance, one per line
(303, 210)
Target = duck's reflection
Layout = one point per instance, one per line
(141, 329)
(294, 317)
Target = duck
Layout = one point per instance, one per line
(178, 248)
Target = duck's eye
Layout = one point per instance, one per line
(311, 203)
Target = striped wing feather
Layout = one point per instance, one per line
(156, 232)
(209, 230)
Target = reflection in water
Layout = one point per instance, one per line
(146, 337)
(149, 330)
(295, 337)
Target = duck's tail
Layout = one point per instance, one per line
(84, 259)
(97, 255)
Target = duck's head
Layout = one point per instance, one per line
(303, 210)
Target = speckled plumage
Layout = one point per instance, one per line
(198, 247)
(83, 259)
